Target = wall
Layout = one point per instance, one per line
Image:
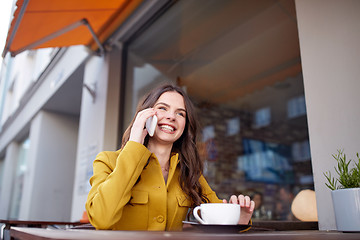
(330, 52)
(51, 80)
(98, 129)
(51, 162)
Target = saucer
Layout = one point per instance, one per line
(218, 228)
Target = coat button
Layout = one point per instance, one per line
(160, 219)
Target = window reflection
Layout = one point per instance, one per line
(21, 169)
(296, 107)
(239, 60)
(262, 117)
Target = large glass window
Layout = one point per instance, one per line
(239, 60)
(21, 169)
(2, 166)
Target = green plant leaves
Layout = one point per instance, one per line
(331, 181)
(347, 177)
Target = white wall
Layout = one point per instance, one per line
(330, 53)
(49, 179)
(98, 128)
(8, 179)
(60, 70)
(24, 70)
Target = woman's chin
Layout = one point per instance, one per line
(165, 138)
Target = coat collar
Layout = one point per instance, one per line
(174, 161)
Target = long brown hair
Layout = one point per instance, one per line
(191, 166)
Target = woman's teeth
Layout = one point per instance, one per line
(167, 127)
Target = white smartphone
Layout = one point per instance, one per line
(151, 124)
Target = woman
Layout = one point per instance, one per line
(151, 182)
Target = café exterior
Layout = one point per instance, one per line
(275, 84)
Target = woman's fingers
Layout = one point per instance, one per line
(233, 199)
(142, 116)
(252, 206)
(243, 201)
(138, 131)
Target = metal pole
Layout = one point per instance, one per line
(17, 23)
(86, 22)
(60, 32)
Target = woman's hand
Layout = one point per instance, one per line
(138, 131)
(247, 207)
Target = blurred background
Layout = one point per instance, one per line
(69, 89)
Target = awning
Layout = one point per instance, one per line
(61, 23)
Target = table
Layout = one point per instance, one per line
(285, 225)
(19, 233)
(38, 224)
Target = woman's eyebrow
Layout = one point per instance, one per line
(167, 105)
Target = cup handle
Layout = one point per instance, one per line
(195, 212)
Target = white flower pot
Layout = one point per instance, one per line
(347, 209)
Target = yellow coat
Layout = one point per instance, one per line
(117, 202)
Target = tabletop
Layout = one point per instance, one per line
(21, 233)
(5, 229)
(35, 222)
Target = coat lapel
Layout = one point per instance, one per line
(174, 160)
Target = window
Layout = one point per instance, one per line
(296, 107)
(2, 166)
(240, 63)
(262, 117)
(21, 169)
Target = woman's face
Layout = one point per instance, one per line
(171, 114)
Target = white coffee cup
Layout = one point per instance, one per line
(218, 213)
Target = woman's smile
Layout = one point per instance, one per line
(167, 128)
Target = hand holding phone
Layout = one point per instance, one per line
(151, 124)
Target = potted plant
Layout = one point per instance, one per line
(345, 192)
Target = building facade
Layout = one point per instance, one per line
(274, 82)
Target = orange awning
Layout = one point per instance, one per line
(61, 23)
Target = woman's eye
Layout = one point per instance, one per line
(162, 108)
(181, 114)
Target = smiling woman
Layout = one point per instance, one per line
(151, 182)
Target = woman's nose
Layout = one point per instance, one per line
(170, 115)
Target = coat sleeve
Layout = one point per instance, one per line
(209, 193)
(113, 178)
